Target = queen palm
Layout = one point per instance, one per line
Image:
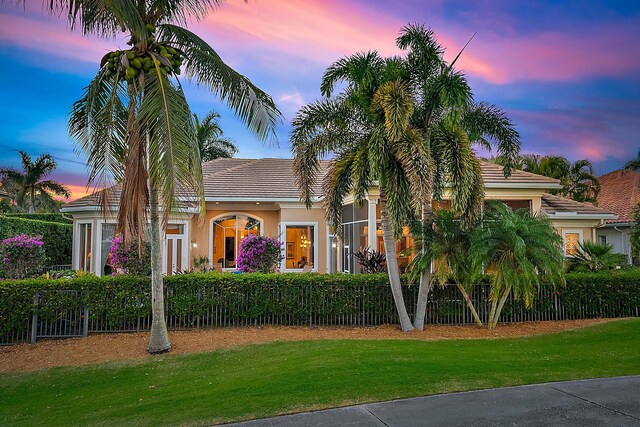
(29, 187)
(449, 123)
(211, 141)
(352, 126)
(134, 123)
(522, 251)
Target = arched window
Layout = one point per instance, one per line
(227, 233)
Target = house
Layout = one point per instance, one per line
(619, 193)
(259, 196)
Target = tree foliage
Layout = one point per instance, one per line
(28, 188)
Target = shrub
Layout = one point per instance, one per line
(22, 256)
(594, 256)
(259, 254)
(47, 217)
(371, 261)
(57, 237)
(130, 260)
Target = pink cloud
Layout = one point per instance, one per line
(51, 37)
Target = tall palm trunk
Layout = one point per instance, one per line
(159, 340)
(425, 276)
(467, 299)
(32, 202)
(496, 309)
(392, 266)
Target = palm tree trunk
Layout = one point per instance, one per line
(425, 276)
(496, 310)
(467, 299)
(159, 339)
(32, 202)
(392, 266)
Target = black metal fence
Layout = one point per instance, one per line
(65, 313)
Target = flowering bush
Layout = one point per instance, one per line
(22, 256)
(259, 254)
(129, 260)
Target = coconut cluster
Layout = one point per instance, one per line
(129, 64)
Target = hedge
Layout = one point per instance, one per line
(57, 237)
(49, 217)
(211, 300)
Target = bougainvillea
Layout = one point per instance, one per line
(129, 260)
(22, 256)
(259, 254)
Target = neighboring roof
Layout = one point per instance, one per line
(493, 176)
(273, 180)
(620, 193)
(561, 207)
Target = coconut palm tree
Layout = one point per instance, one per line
(29, 188)
(134, 122)
(522, 251)
(211, 142)
(449, 123)
(633, 165)
(352, 126)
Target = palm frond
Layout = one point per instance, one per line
(205, 67)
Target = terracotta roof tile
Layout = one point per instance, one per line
(620, 193)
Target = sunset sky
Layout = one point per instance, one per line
(567, 73)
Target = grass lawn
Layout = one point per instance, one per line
(269, 379)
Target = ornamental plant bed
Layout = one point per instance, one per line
(102, 348)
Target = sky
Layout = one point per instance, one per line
(567, 73)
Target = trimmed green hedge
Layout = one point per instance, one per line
(211, 300)
(49, 217)
(57, 237)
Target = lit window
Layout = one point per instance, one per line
(300, 247)
(228, 232)
(572, 240)
(85, 247)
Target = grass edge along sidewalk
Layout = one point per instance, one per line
(285, 377)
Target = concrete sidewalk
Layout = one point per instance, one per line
(609, 401)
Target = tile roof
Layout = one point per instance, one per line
(620, 193)
(561, 206)
(260, 179)
(493, 174)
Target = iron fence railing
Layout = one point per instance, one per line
(65, 313)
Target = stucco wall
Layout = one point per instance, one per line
(618, 239)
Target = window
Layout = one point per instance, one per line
(355, 234)
(227, 233)
(603, 240)
(300, 246)
(572, 240)
(105, 244)
(84, 251)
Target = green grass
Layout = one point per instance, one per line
(264, 380)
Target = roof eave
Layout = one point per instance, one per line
(537, 185)
(577, 215)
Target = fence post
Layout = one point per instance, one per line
(34, 319)
(85, 323)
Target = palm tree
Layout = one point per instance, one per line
(592, 256)
(578, 179)
(521, 249)
(449, 123)
(351, 125)
(451, 252)
(211, 142)
(134, 123)
(29, 186)
(633, 165)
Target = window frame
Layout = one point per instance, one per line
(283, 238)
(78, 244)
(580, 234)
(236, 214)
